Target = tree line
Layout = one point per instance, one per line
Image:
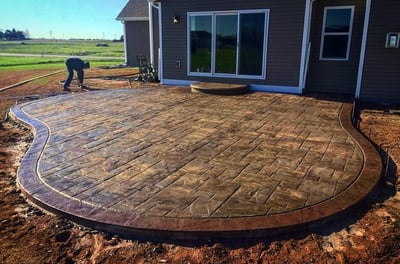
(13, 34)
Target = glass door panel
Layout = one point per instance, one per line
(226, 44)
(200, 43)
(252, 28)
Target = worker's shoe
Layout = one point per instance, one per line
(66, 89)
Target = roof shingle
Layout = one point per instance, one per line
(134, 10)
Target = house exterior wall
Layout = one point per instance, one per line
(137, 40)
(381, 76)
(284, 45)
(330, 76)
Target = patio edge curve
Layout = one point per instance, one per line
(190, 229)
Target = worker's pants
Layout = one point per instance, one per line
(71, 76)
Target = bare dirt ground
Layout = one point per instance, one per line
(371, 234)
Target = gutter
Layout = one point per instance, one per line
(151, 37)
(125, 44)
(306, 46)
(123, 19)
(363, 48)
(157, 5)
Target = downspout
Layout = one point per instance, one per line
(151, 37)
(160, 50)
(363, 48)
(157, 5)
(125, 43)
(305, 53)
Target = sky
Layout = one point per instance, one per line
(63, 19)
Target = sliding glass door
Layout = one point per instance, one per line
(228, 44)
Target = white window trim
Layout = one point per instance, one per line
(213, 15)
(349, 34)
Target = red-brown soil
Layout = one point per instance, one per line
(371, 234)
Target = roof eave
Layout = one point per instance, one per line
(132, 18)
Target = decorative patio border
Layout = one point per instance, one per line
(187, 229)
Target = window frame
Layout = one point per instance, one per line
(213, 15)
(348, 34)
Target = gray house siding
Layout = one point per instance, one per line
(135, 15)
(330, 76)
(284, 45)
(381, 76)
(137, 40)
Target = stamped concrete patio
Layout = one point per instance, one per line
(168, 163)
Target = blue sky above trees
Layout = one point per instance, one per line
(87, 19)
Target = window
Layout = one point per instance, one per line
(228, 44)
(336, 33)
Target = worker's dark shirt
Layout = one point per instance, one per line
(77, 65)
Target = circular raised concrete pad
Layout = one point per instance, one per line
(167, 163)
(219, 88)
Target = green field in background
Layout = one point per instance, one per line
(33, 63)
(64, 47)
(111, 53)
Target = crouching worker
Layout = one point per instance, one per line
(78, 65)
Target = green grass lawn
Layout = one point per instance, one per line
(64, 47)
(31, 63)
(67, 48)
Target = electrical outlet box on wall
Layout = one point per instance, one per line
(392, 40)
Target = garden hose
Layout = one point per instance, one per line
(29, 80)
(59, 71)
